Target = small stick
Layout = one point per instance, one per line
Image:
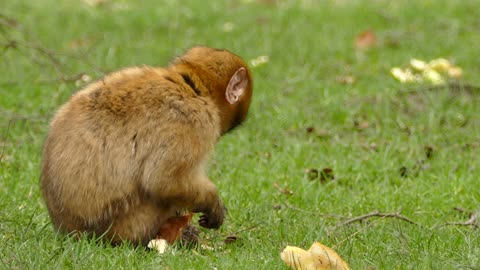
(376, 213)
(253, 227)
(247, 229)
(472, 221)
(282, 190)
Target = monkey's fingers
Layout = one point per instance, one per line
(207, 222)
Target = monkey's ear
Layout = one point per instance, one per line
(237, 86)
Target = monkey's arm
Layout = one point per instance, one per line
(211, 205)
(174, 175)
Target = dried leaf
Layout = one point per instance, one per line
(310, 129)
(326, 175)
(428, 151)
(319, 133)
(366, 40)
(230, 239)
(173, 228)
(361, 125)
(346, 79)
(262, 20)
(277, 206)
(312, 174)
(282, 190)
(79, 43)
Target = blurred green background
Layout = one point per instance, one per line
(324, 101)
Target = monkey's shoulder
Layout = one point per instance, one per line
(145, 91)
(145, 98)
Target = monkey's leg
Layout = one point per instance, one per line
(139, 224)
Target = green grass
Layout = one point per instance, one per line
(310, 44)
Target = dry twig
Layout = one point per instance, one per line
(253, 227)
(39, 53)
(376, 213)
(284, 190)
(472, 221)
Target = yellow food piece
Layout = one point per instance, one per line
(318, 257)
(160, 245)
(405, 76)
(261, 60)
(455, 72)
(419, 65)
(440, 64)
(434, 71)
(433, 76)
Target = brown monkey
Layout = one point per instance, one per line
(128, 152)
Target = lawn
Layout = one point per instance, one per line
(331, 135)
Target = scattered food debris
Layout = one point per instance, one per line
(435, 71)
(83, 80)
(259, 61)
(318, 257)
(160, 245)
(228, 27)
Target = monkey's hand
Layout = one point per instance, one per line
(213, 218)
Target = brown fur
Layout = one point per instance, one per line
(128, 152)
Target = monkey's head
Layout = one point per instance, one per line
(228, 79)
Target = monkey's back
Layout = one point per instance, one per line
(119, 139)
